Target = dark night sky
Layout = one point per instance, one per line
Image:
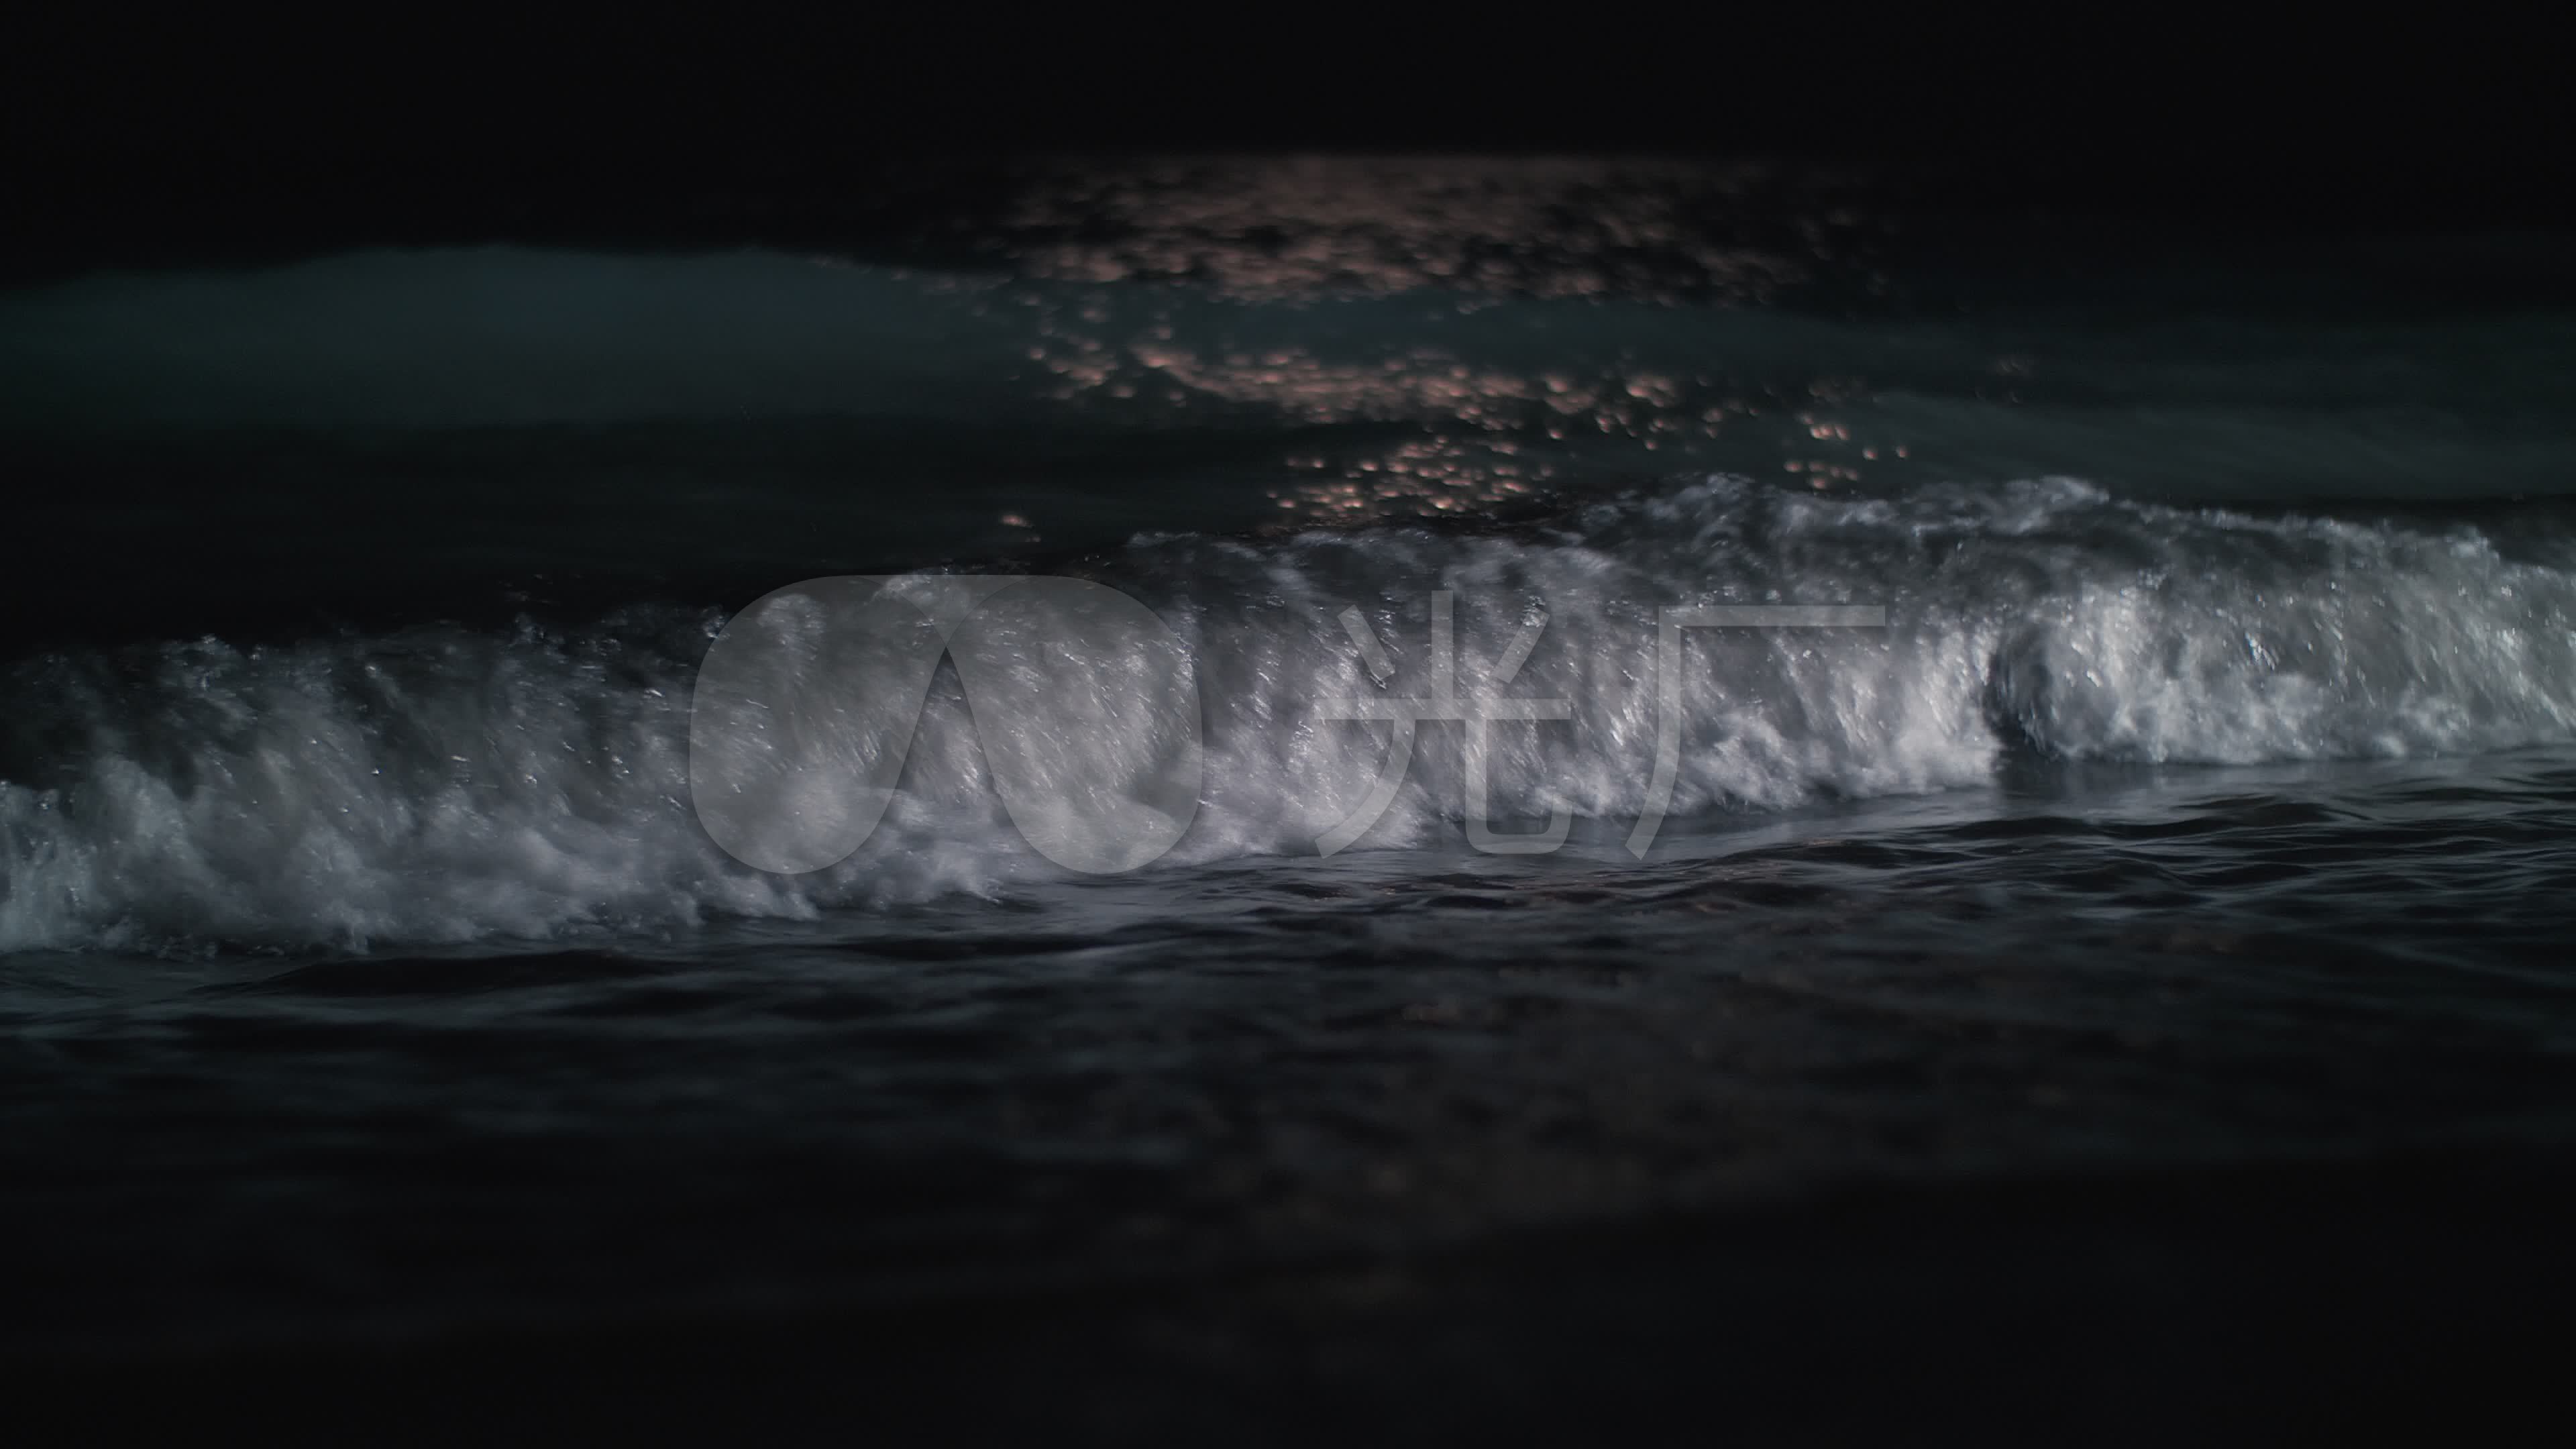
(131, 143)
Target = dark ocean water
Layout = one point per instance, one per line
(2199, 812)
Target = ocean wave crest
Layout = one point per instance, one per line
(442, 784)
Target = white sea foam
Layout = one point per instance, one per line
(444, 785)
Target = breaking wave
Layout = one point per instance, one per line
(444, 784)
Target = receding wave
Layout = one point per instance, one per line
(442, 784)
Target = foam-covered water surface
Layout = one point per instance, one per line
(1259, 1061)
(449, 785)
(2150, 754)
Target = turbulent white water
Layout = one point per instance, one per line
(439, 784)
